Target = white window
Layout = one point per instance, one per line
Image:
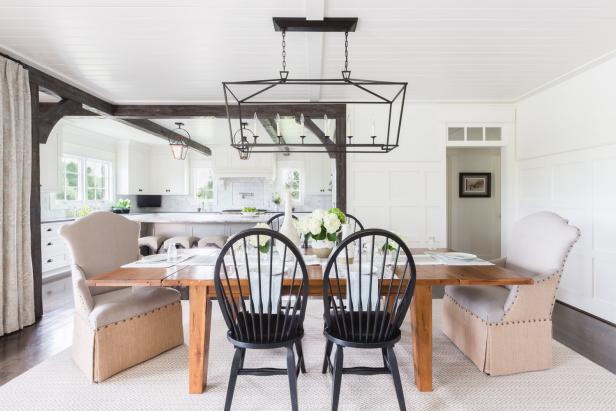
(85, 180)
(204, 188)
(293, 179)
(473, 134)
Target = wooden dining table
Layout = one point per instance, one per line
(200, 282)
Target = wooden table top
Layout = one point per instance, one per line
(427, 275)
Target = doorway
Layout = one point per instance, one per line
(474, 223)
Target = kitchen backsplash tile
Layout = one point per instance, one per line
(231, 193)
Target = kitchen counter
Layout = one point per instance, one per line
(198, 218)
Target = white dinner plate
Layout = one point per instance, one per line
(154, 258)
(460, 256)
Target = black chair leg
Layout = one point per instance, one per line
(242, 357)
(292, 376)
(328, 353)
(395, 373)
(337, 377)
(300, 354)
(384, 352)
(235, 367)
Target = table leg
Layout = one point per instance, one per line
(199, 341)
(421, 323)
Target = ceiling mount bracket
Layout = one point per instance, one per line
(328, 24)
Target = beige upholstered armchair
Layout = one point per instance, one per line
(506, 330)
(116, 328)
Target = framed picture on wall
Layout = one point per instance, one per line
(475, 184)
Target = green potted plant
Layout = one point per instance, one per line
(122, 206)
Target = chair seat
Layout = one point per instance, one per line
(126, 303)
(486, 302)
(265, 330)
(182, 241)
(370, 330)
(153, 242)
(213, 240)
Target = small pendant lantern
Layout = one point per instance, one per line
(179, 146)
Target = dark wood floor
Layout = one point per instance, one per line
(20, 351)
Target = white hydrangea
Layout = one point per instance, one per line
(301, 225)
(319, 214)
(263, 239)
(314, 225)
(332, 223)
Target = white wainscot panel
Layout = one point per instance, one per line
(582, 219)
(435, 225)
(605, 231)
(575, 279)
(409, 222)
(605, 280)
(370, 187)
(405, 187)
(435, 187)
(572, 183)
(605, 189)
(534, 183)
(372, 216)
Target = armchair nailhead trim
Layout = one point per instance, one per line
(164, 307)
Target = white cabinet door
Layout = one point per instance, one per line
(167, 175)
(318, 174)
(51, 160)
(132, 170)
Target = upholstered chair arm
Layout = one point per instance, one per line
(81, 292)
(532, 302)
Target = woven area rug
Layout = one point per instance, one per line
(574, 383)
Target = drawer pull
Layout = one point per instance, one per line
(49, 243)
(48, 230)
(140, 190)
(50, 260)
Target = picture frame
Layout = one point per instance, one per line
(475, 185)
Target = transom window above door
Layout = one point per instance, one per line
(474, 134)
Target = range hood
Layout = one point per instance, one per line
(227, 164)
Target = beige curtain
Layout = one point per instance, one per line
(16, 279)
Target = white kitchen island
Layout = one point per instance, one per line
(196, 224)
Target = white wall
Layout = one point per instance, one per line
(566, 162)
(405, 190)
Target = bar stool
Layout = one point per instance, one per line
(180, 242)
(212, 240)
(150, 244)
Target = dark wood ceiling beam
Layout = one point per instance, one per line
(49, 117)
(325, 140)
(268, 125)
(159, 131)
(220, 110)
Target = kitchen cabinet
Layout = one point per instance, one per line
(51, 161)
(55, 254)
(167, 175)
(132, 170)
(318, 174)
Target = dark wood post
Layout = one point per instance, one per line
(341, 169)
(35, 203)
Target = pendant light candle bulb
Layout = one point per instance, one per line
(278, 124)
(326, 125)
(349, 126)
(301, 124)
(254, 125)
(372, 129)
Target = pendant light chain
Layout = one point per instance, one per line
(346, 51)
(284, 51)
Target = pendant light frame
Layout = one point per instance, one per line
(235, 102)
(179, 148)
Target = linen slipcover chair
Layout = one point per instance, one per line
(508, 329)
(116, 328)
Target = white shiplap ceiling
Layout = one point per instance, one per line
(173, 51)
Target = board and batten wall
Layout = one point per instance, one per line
(406, 189)
(566, 162)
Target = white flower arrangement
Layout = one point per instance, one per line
(264, 240)
(321, 224)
